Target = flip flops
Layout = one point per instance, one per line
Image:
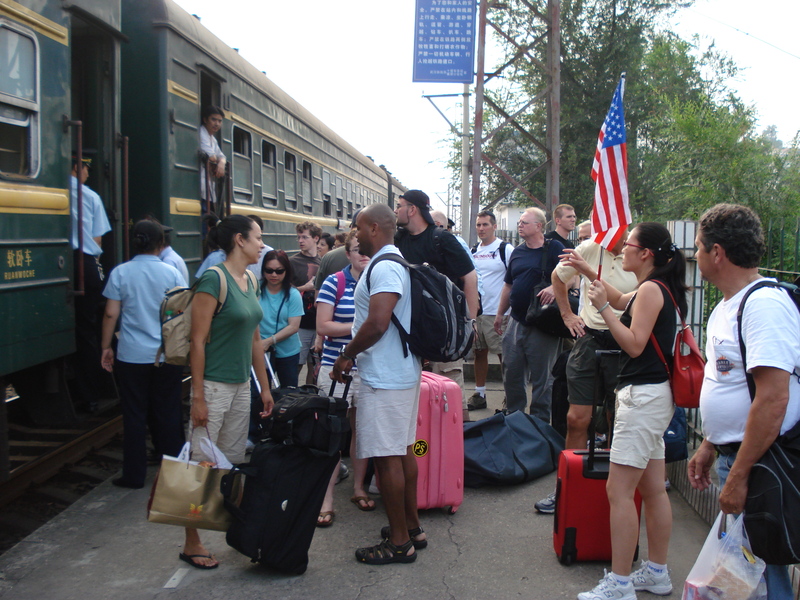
(368, 503)
(321, 522)
(189, 559)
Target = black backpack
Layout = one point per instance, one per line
(441, 330)
(501, 250)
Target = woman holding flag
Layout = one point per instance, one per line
(644, 408)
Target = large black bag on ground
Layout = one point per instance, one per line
(771, 517)
(283, 491)
(509, 449)
(305, 417)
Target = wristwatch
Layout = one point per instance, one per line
(342, 353)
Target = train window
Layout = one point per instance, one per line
(19, 101)
(242, 161)
(290, 180)
(307, 186)
(327, 205)
(269, 177)
(339, 197)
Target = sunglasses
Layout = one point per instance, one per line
(269, 271)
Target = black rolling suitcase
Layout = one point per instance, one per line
(285, 481)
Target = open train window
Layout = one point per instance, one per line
(269, 176)
(290, 180)
(339, 197)
(242, 161)
(350, 197)
(327, 207)
(19, 101)
(307, 186)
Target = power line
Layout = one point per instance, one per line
(778, 48)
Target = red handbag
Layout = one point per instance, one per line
(688, 365)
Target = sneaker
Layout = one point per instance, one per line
(667, 484)
(476, 402)
(547, 505)
(609, 589)
(344, 473)
(645, 580)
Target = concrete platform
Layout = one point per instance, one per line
(496, 546)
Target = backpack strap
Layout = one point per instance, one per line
(751, 384)
(341, 281)
(404, 335)
(223, 288)
(502, 251)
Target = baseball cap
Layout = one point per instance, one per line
(420, 199)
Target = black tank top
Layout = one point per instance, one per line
(647, 367)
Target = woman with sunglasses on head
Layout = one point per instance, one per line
(335, 314)
(644, 408)
(283, 308)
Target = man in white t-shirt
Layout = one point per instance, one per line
(736, 428)
(490, 257)
(386, 419)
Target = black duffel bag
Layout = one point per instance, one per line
(547, 317)
(508, 449)
(771, 517)
(307, 418)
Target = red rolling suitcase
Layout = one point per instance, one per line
(439, 447)
(581, 528)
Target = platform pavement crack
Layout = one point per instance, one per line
(364, 587)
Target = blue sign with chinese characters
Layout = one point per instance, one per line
(444, 42)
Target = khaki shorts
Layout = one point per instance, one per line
(228, 420)
(643, 415)
(487, 337)
(324, 384)
(386, 421)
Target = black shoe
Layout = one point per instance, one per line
(120, 482)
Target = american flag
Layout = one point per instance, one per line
(611, 215)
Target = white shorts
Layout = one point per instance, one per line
(643, 415)
(324, 384)
(228, 420)
(386, 421)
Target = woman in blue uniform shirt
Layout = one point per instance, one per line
(134, 291)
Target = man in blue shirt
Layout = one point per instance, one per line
(87, 332)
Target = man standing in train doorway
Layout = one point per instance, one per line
(87, 305)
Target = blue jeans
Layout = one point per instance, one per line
(779, 584)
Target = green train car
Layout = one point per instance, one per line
(136, 74)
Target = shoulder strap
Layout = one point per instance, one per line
(653, 339)
(341, 280)
(474, 249)
(398, 259)
(545, 252)
(223, 288)
(502, 249)
(751, 384)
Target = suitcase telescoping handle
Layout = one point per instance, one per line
(599, 396)
(348, 379)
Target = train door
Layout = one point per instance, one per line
(95, 102)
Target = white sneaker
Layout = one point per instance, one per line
(609, 589)
(645, 580)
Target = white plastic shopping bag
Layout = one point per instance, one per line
(726, 568)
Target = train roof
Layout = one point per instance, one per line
(177, 19)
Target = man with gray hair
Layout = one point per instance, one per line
(526, 349)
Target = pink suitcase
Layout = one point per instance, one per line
(440, 444)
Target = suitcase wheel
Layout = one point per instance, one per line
(451, 510)
(566, 559)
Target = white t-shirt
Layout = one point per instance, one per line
(771, 329)
(383, 366)
(489, 264)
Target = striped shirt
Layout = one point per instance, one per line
(343, 312)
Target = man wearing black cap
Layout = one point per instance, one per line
(94, 224)
(420, 241)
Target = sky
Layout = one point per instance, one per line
(350, 64)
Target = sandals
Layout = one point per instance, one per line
(322, 522)
(412, 533)
(366, 506)
(386, 553)
(189, 558)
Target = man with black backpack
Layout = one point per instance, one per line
(421, 241)
(739, 428)
(491, 258)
